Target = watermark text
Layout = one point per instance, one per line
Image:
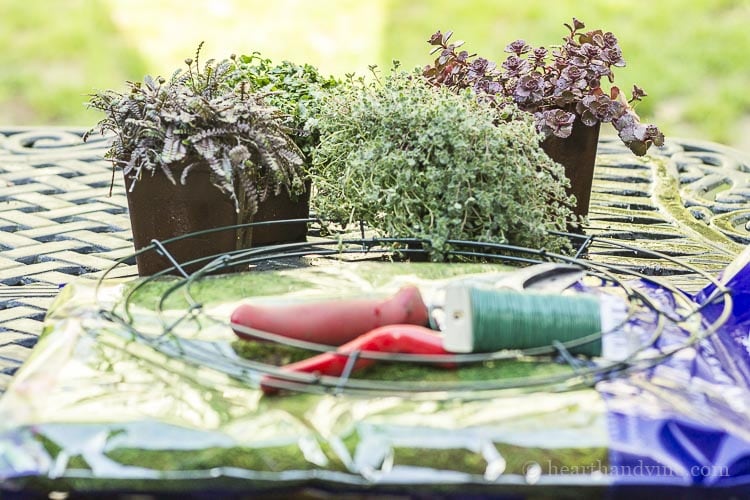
(638, 468)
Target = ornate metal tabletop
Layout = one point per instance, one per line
(58, 220)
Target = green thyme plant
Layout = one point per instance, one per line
(169, 127)
(411, 160)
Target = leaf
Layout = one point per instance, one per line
(206, 148)
(174, 149)
(639, 148)
(150, 83)
(239, 155)
(185, 172)
(588, 118)
(168, 173)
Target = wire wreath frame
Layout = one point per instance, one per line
(221, 357)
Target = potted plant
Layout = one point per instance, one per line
(411, 160)
(198, 153)
(295, 89)
(561, 88)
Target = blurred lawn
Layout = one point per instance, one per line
(691, 56)
(52, 53)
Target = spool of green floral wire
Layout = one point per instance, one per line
(485, 320)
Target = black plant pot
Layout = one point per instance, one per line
(161, 210)
(577, 154)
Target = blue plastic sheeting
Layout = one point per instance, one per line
(686, 421)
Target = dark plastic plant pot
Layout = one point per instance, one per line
(282, 207)
(161, 210)
(577, 154)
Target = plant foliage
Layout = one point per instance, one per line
(556, 86)
(294, 88)
(194, 118)
(411, 160)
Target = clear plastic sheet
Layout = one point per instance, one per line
(124, 393)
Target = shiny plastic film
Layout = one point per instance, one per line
(147, 387)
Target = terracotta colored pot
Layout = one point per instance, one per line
(577, 154)
(160, 210)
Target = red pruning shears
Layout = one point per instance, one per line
(397, 324)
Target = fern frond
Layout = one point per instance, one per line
(206, 148)
(238, 155)
(205, 134)
(174, 150)
(150, 83)
(219, 174)
(252, 204)
(186, 171)
(168, 172)
(198, 53)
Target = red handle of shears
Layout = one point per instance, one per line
(406, 339)
(332, 322)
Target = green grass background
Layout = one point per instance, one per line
(691, 56)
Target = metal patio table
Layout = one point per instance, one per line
(63, 216)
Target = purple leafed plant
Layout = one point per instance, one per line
(556, 86)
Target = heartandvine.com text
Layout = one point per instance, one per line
(639, 469)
